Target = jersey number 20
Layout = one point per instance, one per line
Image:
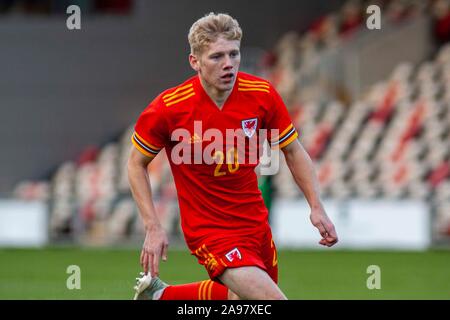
(232, 161)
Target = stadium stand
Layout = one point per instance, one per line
(392, 142)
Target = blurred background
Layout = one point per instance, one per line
(372, 108)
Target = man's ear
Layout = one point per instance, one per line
(194, 62)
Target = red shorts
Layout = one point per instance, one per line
(230, 252)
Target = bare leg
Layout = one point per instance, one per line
(232, 295)
(251, 283)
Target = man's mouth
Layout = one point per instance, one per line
(227, 76)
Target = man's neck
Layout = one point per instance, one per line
(218, 97)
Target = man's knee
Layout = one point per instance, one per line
(233, 296)
(251, 283)
(276, 296)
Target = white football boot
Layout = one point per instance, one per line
(148, 288)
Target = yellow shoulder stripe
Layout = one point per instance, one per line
(253, 82)
(253, 89)
(178, 95)
(254, 85)
(184, 97)
(177, 90)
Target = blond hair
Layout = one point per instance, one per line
(208, 29)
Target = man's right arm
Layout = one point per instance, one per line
(156, 241)
(140, 187)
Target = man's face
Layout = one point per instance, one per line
(218, 63)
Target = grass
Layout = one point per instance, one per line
(110, 274)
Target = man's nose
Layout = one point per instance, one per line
(227, 63)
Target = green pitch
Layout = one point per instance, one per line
(109, 274)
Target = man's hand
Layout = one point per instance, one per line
(326, 228)
(302, 169)
(155, 247)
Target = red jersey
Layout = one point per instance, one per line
(221, 197)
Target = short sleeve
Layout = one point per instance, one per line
(279, 124)
(150, 132)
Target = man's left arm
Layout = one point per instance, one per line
(302, 169)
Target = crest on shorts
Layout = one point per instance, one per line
(234, 254)
(249, 126)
